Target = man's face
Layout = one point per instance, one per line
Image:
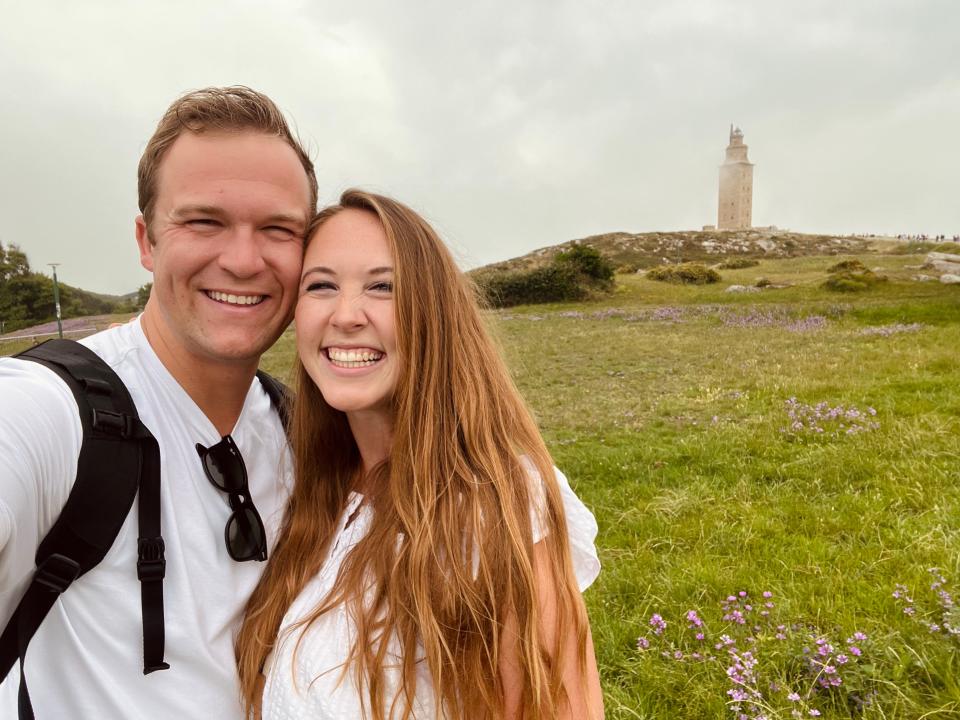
(224, 245)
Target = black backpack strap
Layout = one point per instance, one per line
(280, 397)
(118, 457)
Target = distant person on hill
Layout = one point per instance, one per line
(432, 559)
(225, 195)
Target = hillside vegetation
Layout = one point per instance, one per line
(26, 297)
(644, 250)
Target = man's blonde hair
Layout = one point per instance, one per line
(230, 109)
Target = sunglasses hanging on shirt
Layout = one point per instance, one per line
(244, 533)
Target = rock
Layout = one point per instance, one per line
(943, 263)
(767, 245)
(947, 257)
(923, 278)
(742, 289)
(942, 266)
(949, 279)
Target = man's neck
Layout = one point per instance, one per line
(218, 388)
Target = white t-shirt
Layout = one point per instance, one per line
(305, 683)
(86, 660)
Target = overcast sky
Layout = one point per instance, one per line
(511, 125)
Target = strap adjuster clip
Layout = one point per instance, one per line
(112, 423)
(151, 565)
(57, 572)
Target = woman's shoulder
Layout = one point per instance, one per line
(581, 523)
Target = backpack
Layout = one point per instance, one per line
(119, 460)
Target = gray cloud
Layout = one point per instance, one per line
(510, 125)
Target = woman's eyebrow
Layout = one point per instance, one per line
(318, 269)
(381, 270)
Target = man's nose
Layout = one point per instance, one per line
(242, 253)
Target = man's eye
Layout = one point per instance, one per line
(203, 223)
(280, 231)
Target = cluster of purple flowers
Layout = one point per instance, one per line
(665, 313)
(892, 329)
(775, 317)
(811, 323)
(942, 616)
(817, 668)
(829, 421)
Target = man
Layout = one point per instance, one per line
(226, 194)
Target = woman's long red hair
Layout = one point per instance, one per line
(450, 548)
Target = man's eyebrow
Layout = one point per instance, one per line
(184, 210)
(297, 220)
(290, 218)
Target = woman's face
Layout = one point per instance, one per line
(345, 323)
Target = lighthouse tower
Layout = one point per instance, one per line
(736, 186)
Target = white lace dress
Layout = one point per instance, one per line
(310, 684)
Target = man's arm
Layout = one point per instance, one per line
(40, 438)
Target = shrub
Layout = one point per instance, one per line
(853, 281)
(738, 263)
(587, 261)
(762, 282)
(686, 273)
(551, 283)
(628, 269)
(854, 266)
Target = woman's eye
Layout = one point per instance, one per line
(383, 287)
(320, 285)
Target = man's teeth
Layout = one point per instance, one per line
(353, 358)
(234, 299)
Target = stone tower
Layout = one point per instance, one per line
(736, 186)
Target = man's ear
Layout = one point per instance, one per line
(144, 243)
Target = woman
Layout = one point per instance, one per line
(424, 569)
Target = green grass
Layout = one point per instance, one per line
(672, 432)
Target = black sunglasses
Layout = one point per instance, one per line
(244, 534)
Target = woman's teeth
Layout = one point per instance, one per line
(234, 299)
(353, 358)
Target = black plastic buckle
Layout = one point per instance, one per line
(57, 572)
(112, 423)
(151, 565)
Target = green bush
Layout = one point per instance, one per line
(587, 261)
(854, 266)
(738, 263)
(628, 269)
(853, 281)
(686, 273)
(551, 283)
(574, 274)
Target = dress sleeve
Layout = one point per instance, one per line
(581, 528)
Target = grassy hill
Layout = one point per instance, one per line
(645, 250)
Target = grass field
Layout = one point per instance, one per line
(667, 407)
